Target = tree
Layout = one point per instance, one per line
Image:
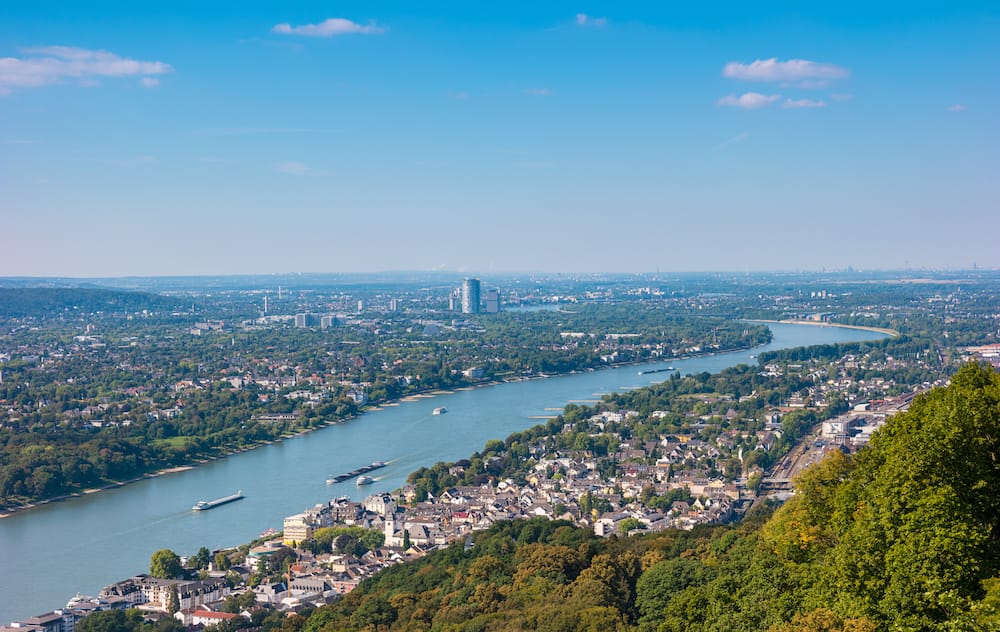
(662, 581)
(108, 621)
(222, 561)
(165, 564)
(174, 601)
(628, 524)
(917, 518)
(167, 624)
(201, 559)
(824, 620)
(240, 602)
(375, 611)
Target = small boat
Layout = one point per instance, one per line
(365, 480)
(203, 505)
(440, 410)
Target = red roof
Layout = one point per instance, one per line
(208, 614)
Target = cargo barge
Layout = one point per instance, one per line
(669, 368)
(340, 478)
(202, 505)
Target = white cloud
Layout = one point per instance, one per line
(958, 107)
(749, 100)
(149, 82)
(802, 103)
(582, 19)
(296, 169)
(328, 28)
(540, 92)
(813, 74)
(49, 65)
(841, 97)
(461, 96)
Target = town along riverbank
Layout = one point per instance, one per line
(84, 543)
(226, 452)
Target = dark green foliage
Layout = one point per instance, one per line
(174, 602)
(200, 560)
(239, 603)
(47, 302)
(662, 581)
(110, 621)
(375, 611)
(126, 621)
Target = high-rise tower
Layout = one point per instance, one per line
(470, 296)
(491, 300)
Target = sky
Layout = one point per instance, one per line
(190, 138)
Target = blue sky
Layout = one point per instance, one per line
(213, 138)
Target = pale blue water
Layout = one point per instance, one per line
(49, 554)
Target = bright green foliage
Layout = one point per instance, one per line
(921, 516)
(222, 561)
(629, 524)
(354, 540)
(165, 564)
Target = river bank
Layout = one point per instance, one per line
(80, 546)
(431, 392)
(10, 511)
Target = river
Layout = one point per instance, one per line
(50, 553)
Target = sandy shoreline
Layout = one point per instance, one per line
(817, 323)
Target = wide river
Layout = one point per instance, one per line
(50, 553)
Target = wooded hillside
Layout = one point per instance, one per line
(902, 536)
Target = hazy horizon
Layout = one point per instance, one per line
(495, 275)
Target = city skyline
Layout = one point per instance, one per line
(245, 139)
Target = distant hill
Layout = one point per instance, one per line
(42, 302)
